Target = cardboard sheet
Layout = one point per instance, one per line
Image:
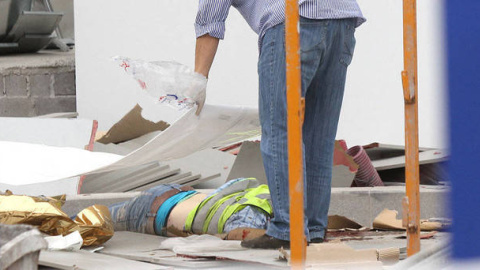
(216, 126)
(336, 222)
(131, 126)
(387, 220)
(338, 255)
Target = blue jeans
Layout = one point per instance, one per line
(326, 51)
(132, 215)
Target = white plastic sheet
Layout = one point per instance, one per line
(216, 126)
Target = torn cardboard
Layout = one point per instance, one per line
(387, 220)
(336, 223)
(336, 254)
(131, 126)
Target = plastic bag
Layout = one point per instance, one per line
(167, 82)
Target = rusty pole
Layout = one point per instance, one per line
(294, 130)
(411, 203)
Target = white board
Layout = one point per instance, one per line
(24, 163)
(49, 131)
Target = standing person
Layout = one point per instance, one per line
(327, 43)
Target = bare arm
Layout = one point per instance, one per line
(205, 50)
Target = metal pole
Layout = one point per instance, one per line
(411, 207)
(294, 127)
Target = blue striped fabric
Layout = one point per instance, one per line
(263, 14)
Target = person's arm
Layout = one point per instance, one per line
(209, 29)
(205, 50)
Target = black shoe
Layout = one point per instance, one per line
(266, 242)
(316, 241)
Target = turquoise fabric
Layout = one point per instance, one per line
(165, 209)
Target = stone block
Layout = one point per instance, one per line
(386, 197)
(16, 107)
(432, 200)
(54, 105)
(16, 86)
(40, 85)
(65, 84)
(353, 203)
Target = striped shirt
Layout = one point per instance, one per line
(263, 14)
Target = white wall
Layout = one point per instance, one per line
(163, 30)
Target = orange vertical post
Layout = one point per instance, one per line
(410, 91)
(294, 127)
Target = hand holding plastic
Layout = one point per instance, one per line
(168, 82)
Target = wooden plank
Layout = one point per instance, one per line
(86, 260)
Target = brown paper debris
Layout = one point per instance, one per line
(336, 223)
(131, 126)
(336, 254)
(387, 220)
(94, 223)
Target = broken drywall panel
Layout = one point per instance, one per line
(216, 126)
(143, 178)
(181, 177)
(208, 247)
(65, 186)
(199, 181)
(430, 174)
(25, 163)
(136, 143)
(378, 150)
(88, 260)
(342, 176)
(426, 157)
(249, 163)
(53, 132)
(144, 247)
(110, 181)
(262, 257)
(206, 162)
(131, 126)
(110, 148)
(59, 115)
